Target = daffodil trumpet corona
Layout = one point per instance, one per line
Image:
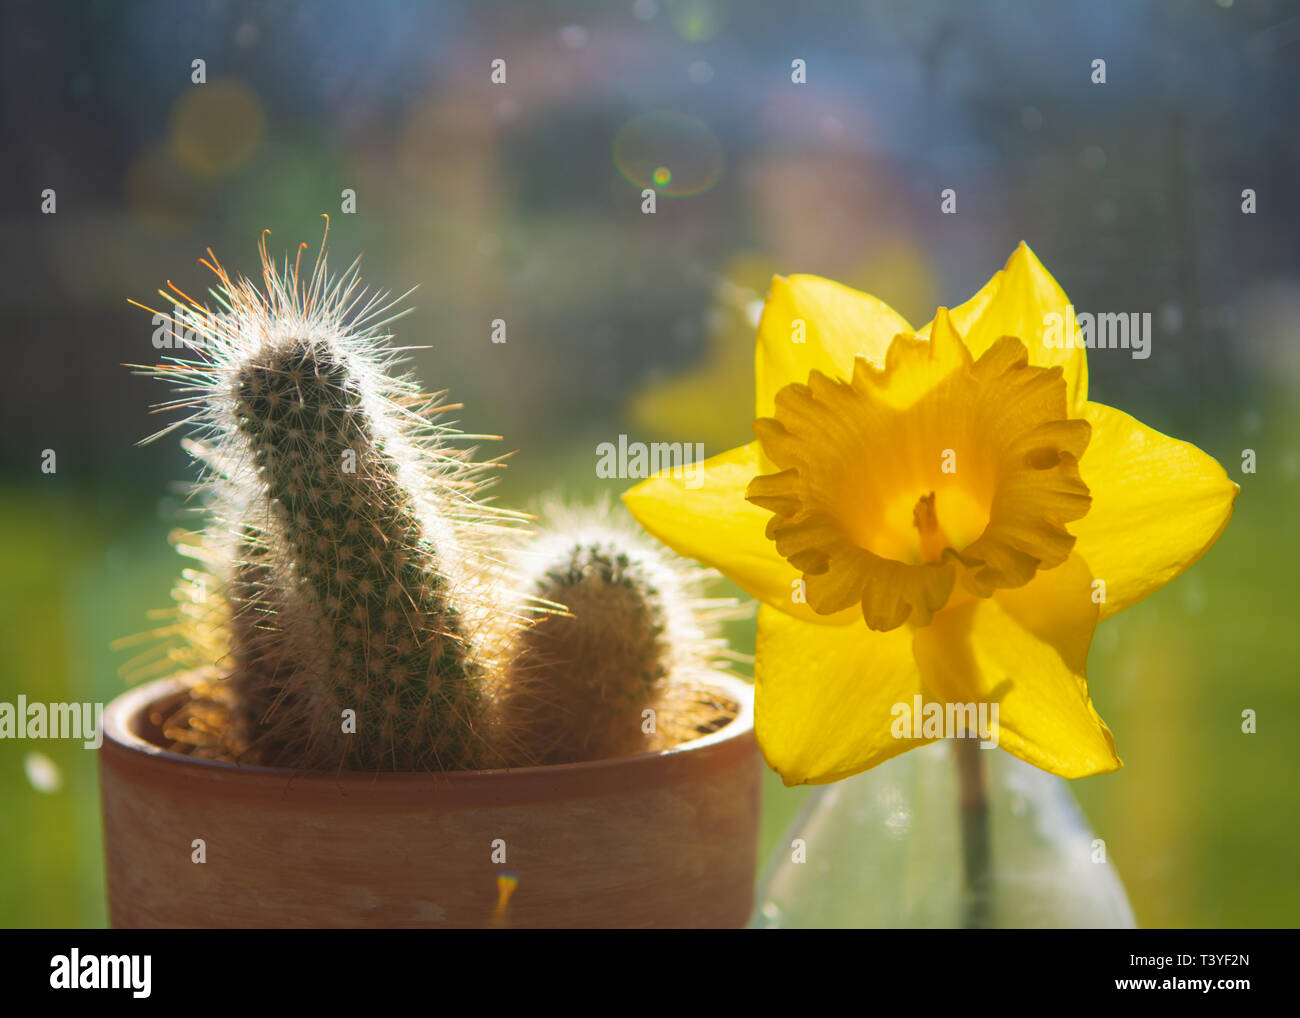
(937, 513)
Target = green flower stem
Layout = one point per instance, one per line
(973, 776)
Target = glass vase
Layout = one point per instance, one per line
(885, 848)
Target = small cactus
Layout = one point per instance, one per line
(613, 667)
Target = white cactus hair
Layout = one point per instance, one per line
(427, 484)
(625, 625)
(337, 311)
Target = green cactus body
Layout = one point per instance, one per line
(364, 612)
(617, 672)
(382, 638)
(256, 647)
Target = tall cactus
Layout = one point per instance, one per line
(360, 632)
(614, 667)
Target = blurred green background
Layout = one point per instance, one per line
(522, 202)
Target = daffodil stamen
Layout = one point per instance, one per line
(929, 531)
(990, 439)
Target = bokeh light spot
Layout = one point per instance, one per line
(697, 20)
(216, 127)
(43, 774)
(675, 153)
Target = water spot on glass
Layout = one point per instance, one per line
(574, 36)
(700, 72)
(1171, 317)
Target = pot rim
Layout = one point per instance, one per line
(125, 746)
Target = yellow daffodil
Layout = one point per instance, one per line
(938, 513)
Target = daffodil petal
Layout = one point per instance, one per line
(1158, 504)
(825, 695)
(704, 516)
(966, 314)
(1026, 649)
(810, 323)
(1039, 490)
(1017, 302)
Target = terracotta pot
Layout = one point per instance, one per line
(659, 839)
